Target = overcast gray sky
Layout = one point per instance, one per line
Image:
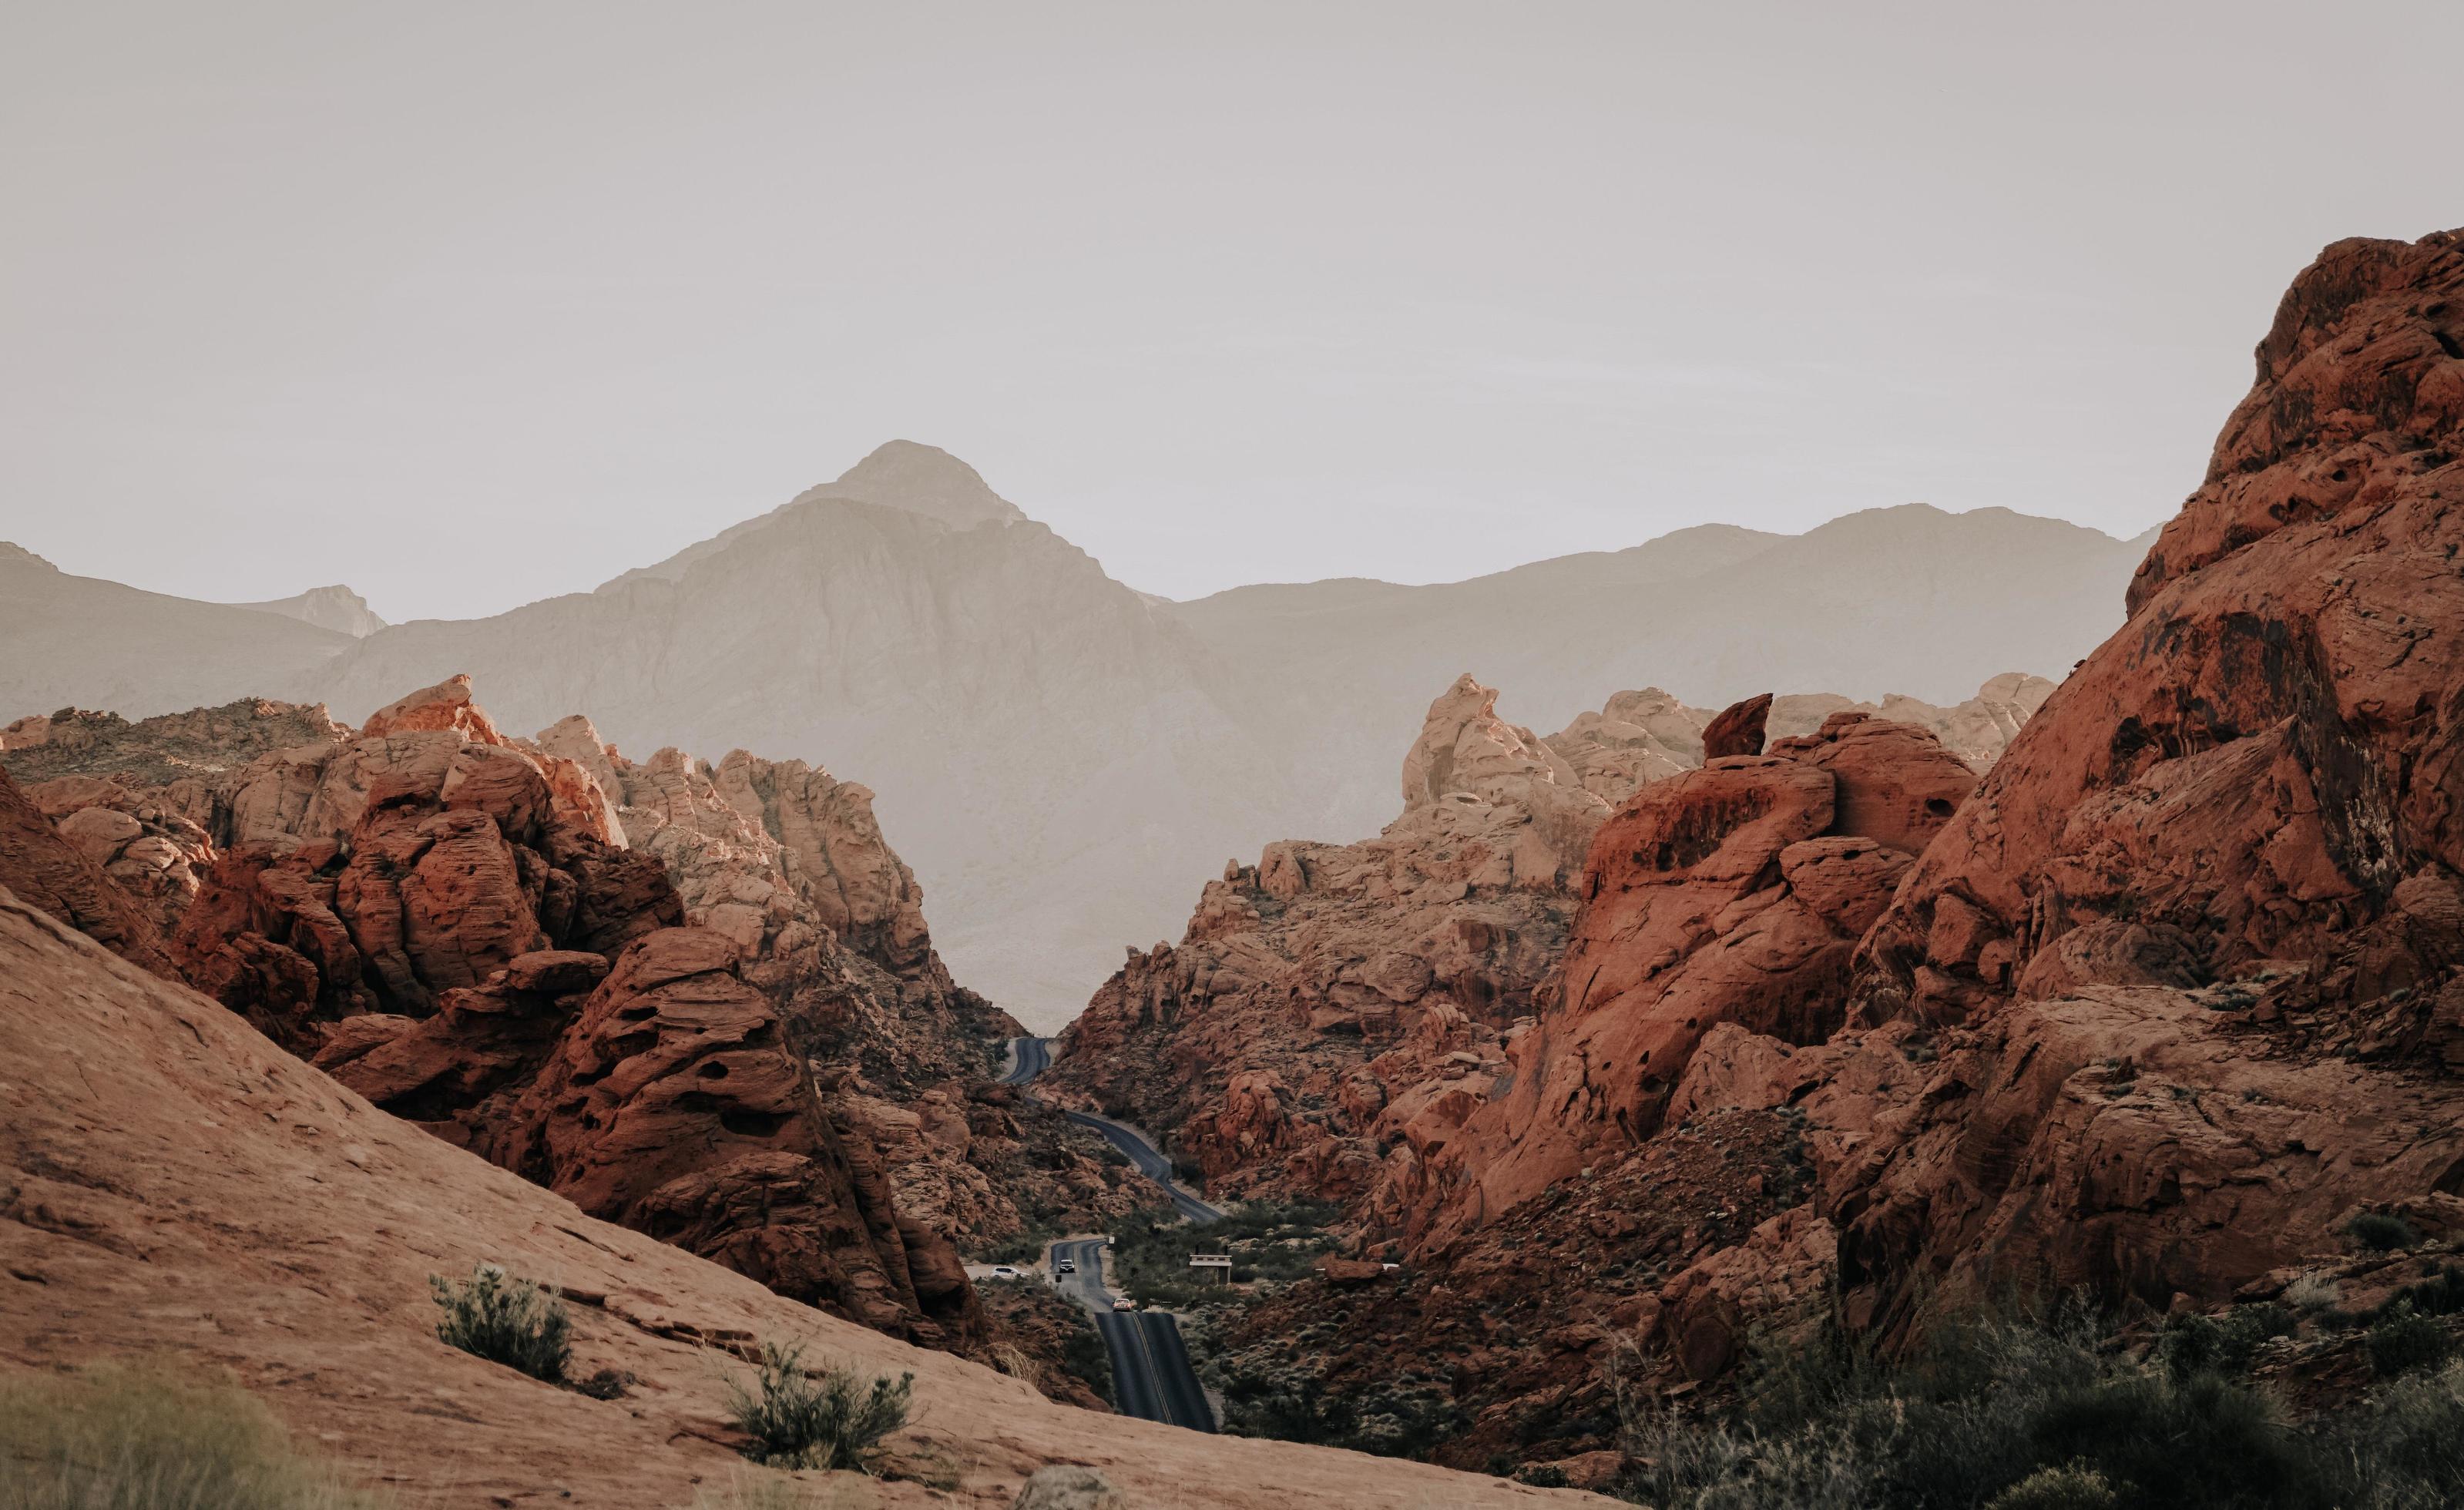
(469, 304)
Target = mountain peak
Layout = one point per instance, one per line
(921, 479)
(331, 608)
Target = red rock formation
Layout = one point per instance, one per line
(1735, 893)
(1334, 1007)
(50, 871)
(2259, 781)
(2177, 991)
(424, 907)
(1738, 730)
(1337, 1018)
(427, 906)
(672, 1099)
(182, 1195)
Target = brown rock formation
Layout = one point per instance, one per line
(2260, 782)
(52, 871)
(1331, 999)
(670, 1099)
(1735, 893)
(426, 907)
(1337, 1018)
(2180, 989)
(142, 1198)
(1738, 730)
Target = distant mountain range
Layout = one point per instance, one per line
(1059, 756)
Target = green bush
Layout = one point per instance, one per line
(136, 1437)
(513, 1322)
(833, 1419)
(2404, 1341)
(1026, 1247)
(2380, 1232)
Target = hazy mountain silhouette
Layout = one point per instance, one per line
(1062, 758)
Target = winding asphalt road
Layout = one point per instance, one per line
(1032, 1057)
(1150, 1369)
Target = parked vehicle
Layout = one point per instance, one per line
(1002, 1271)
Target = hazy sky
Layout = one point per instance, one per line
(470, 305)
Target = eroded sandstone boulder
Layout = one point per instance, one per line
(1738, 729)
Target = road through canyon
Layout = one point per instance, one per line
(1150, 1368)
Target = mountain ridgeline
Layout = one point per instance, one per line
(1057, 751)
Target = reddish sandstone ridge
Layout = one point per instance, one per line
(191, 1193)
(2154, 1010)
(1337, 1018)
(489, 936)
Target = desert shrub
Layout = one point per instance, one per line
(2191, 1344)
(2403, 1447)
(1026, 1247)
(832, 1419)
(2381, 1232)
(2442, 1294)
(2312, 1293)
(141, 1437)
(2403, 1339)
(513, 1322)
(1981, 1410)
(2066, 1488)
